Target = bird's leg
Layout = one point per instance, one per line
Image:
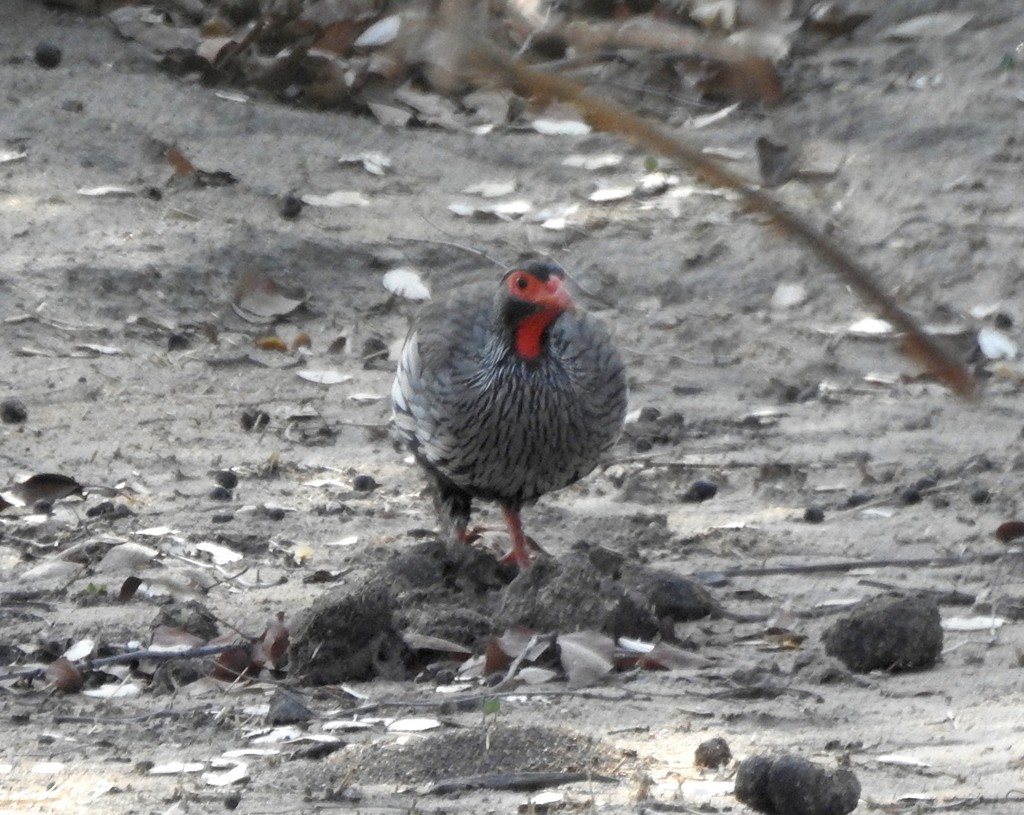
(521, 542)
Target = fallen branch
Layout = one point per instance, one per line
(487, 64)
(128, 656)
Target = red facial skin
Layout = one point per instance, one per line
(551, 299)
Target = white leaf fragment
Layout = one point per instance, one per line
(338, 198)
(380, 33)
(177, 768)
(106, 191)
(406, 283)
(973, 623)
(237, 772)
(413, 725)
(327, 377)
(114, 690)
(871, 327)
(994, 344)
(491, 189)
(373, 163)
(560, 127)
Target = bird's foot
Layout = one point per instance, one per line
(520, 555)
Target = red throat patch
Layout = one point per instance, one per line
(530, 329)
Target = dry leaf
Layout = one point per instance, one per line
(64, 676)
(586, 657)
(939, 24)
(40, 487)
(260, 298)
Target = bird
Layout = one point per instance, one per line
(505, 393)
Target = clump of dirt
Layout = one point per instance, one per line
(888, 633)
(464, 595)
(501, 748)
(792, 785)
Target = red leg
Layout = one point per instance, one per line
(521, 543)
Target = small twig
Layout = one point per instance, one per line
(850, 565)
(128, 656)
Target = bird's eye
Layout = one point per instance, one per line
(522, 283)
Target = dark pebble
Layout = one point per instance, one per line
(274, 513)
(177, 342)
(291, 206)
(48, 55)
(375, 351)
(649, 414)
(712, 753)
(701, 490)
(981, 496)
(287, 708)
(888, 633)
(643, 444)
(814, 515)
(232, 801)
(13, 411)
(108, 509)
(219, 493)
(910, 496)
(1002, 321)
(364, 483)
(72, 106)
(857, 499)
(227, 479)
(43, 506)
(792, 785)
(253, 419)
(223, 518)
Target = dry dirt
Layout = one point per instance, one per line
(777, 411)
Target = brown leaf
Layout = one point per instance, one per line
(128, 589)
(181, 165)
(40, 487)
(233, 663)
(260, 298)
(272, 342)
(64, 676)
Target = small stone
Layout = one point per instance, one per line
(643, 444)
(219, 493)
(48, 55)
(109, 510)
(701, 490)
(223, 518)
(291, 206)
(43, 506)
(649, 414)
(814, 515)
(226, 478)
(910, 496)
(981, 495)
(232, 801)
(712, 753)
(177, 342)
(287, 708)
(13, 411)
(364, 483)
(274, 513)
(857, 499)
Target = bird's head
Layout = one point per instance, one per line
(532, 297)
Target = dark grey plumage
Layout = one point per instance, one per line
(484, 420)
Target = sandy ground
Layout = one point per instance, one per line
(781, 411)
